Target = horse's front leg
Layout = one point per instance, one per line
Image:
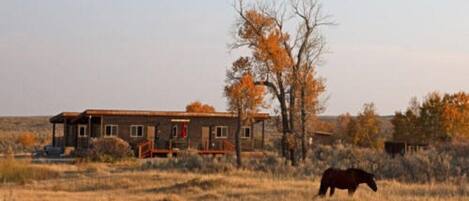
(332, 191)
(351, 191)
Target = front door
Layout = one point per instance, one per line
(205, 137)
(151, 133)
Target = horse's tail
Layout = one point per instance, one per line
(322, 189)
(325, 181)
(324, 184)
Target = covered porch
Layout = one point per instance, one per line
(77, 130)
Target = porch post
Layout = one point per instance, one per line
(253, 145)
(76, 140)
(53, 134)
(186, 126)
(263, 134)
(101, 133)
(89, 131)
(64, 133)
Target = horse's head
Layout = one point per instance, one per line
(367, 178)
(371, 182)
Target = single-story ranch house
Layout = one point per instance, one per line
(155, 132)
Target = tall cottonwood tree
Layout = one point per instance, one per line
(309, 89)
(455, 115)
(244, 98)
(440, 117)
(365, 128)
(406, 124)
(279, 58)
(342, 127)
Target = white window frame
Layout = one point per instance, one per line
(132, 134)
(221, 136)
(111, 135)
(243, 132)
(86, 130)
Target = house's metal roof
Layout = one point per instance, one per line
(325, 133)
(59, 118)
(106, 112)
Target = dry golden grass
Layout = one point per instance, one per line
(97, 181)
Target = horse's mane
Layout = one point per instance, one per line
(360, 172)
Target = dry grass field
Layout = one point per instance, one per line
(195, 178)
(125, 181)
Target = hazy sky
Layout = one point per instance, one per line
(160, 55)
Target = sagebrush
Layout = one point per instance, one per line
(443, 163)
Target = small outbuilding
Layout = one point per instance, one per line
(401, 148)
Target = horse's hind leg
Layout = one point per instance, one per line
(332, 191)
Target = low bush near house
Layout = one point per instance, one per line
(193, 162)
(27, 139)
(109, 150)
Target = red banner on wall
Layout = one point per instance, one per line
(183, 130)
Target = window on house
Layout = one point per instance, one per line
(246, 132)
(81, 130)
(221, 132)
(110, 131)
(136, 131)
(174, 131)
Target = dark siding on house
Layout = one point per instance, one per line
(163, 127)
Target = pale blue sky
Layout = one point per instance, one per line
(159, 55)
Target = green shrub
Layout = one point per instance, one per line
(108, 150)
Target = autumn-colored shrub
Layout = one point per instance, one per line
(109, 150)
(27, 139)
(197, 106)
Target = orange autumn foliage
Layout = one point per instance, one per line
(244, 97)
(440, 117)
(267, 39)
(279, 56)
(27, 139)
(197, 106)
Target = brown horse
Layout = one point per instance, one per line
(345, 179)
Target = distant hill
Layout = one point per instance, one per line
(25, 124)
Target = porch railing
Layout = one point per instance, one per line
(228, 146)
(145, 149)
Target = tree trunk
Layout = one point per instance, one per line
(303, 124)
(292, 107)
(285, 128)
(238, 140)
(285, 120)
(292, 157)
